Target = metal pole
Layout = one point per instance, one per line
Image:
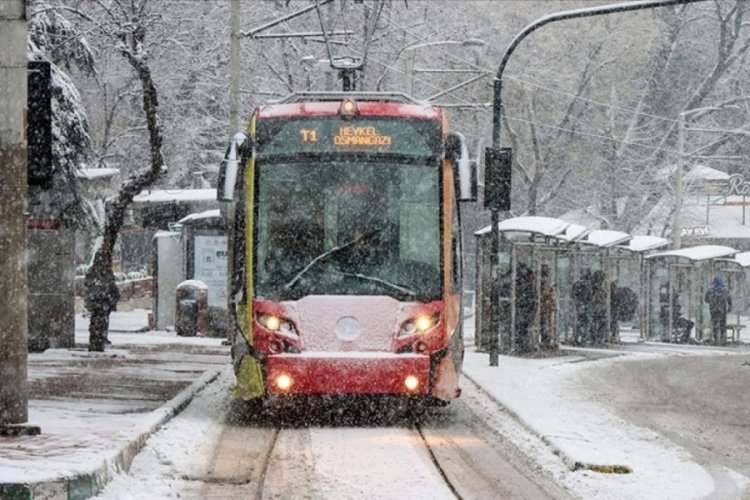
(13, 294)
(677, 220)
(234, 68)
(497, 124)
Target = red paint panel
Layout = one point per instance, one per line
(348, 375)
(332, 108)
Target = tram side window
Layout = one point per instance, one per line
(418, 218)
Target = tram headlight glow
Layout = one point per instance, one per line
(276, 324)
(284, 382)
(411, 382)
(420, 324)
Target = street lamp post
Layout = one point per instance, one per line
(497, 159)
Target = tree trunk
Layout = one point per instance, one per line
(101, 293)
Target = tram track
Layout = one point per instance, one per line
(436, 462)
(441, 453)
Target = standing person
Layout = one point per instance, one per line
(526, 302)
(599, 326)
(582, 301)
(547, 309)
(719, 304)
(615, 312)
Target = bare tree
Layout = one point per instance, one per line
(127, 24)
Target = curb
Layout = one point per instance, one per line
(569, 461)
(87, 484)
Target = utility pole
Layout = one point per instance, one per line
(13, 294)
(234, 67)
(677, 221)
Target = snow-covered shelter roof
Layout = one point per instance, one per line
(700, 252)
(743, 259)
(574, 232)
(156, 196)
(546, 226)
(644, 243)
(607, 238)
(208, 214)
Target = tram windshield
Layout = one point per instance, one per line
(347, 228)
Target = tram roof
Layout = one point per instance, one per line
(367, 104)
(700, 252)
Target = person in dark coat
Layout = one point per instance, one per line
(599, 306)
(547, 309)
(582, 301)
(526, 302)
(719, 304)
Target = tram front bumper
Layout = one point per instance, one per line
(347, 373)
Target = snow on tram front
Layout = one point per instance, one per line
(345, 247)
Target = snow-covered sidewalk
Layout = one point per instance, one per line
(96, 410)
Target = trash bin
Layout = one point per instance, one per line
(191, 317)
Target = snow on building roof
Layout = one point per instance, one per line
(166, 234)
(96, 173)
(208, 214)
(607, 238)
(546, 226)
(157, 196)
(643, 243)
(700, 252)
(697, 172)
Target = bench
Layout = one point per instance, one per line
(733, 331)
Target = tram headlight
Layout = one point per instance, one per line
(411, 382)
(421, 324)
(276, 324)
(284, 382)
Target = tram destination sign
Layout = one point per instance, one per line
(336, 135)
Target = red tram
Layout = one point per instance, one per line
(345, 247)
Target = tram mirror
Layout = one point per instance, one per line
(239, 150)
(465, 168)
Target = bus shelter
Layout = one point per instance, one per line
(531, 250)
(677, 284)
(591, 292)
(735, 273)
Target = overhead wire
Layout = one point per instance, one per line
(523, 81)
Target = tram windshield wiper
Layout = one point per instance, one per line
(325, 255)
(402, 289)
